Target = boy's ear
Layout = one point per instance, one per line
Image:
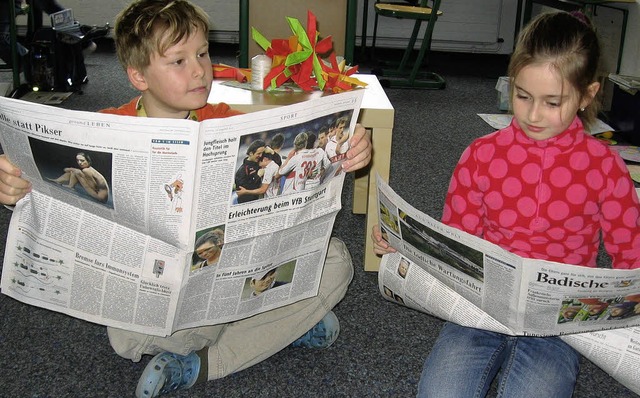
(136, 77)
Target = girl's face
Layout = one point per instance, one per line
(82, 162)
(543, 103)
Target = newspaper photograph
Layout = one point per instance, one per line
(155, 225)
(455, 276)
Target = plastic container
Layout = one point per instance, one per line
(502, 86)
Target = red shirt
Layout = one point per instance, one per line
(209, 111)
(547, 199)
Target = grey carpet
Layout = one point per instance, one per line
(382, 345)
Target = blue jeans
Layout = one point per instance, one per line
(464, 361)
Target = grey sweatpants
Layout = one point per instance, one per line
(237, 345)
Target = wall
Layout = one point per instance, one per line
(225, 21)
(631, 53)
(464, 26)
(486, 26)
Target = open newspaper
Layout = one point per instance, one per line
(145, 224)
(461, 278)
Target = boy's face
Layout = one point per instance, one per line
(257, 155)
(263, 284)
(322, 140)
(178, 81)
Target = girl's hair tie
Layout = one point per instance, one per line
(579, 15)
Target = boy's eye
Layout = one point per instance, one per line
(203, 54)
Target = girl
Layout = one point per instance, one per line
(541, 188)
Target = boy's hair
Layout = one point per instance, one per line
(569, 43)
(146, 27)
(341, 120)
(215, 236)
(323, 130)
(277, 141)
(253, 147)
(311, 141)
(300, 142)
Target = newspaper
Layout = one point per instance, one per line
(110, 232)
(461, 278)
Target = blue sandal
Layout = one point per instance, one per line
(322, 335)
(168, 372)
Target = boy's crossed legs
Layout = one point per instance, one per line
(231, 347)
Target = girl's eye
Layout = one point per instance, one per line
(522, 96)
(178, 62)
(203, 54)
(553, 104)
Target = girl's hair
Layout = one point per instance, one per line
(146, 27)
(85, 156)
(569, 43)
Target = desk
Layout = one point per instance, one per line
(376, 114)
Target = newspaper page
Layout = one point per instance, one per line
(137, 223)
(460, 278)
(402, 281)
(529, 297)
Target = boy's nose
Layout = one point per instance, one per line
(198, 70)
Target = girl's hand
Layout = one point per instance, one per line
(380, 245)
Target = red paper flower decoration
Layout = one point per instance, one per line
(298, 59)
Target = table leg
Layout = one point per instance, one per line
(381, 163)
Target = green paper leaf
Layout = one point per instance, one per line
(317, 70)
(297, 57)
(260, 39)
(300, 33)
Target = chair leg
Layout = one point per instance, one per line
(375, 34)
(426, 79)
(415, 78)
(409, 49)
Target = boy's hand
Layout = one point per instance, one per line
(380, 246)
(12, 186)
(360, 153)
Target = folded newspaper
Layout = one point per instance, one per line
(461, 278)
(138, 223)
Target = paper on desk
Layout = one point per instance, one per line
(501, 120)
(285, 88)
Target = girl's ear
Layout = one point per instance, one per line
(592, 91)
(136, 77)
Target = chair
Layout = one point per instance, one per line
(407, 75)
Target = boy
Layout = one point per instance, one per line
(163, 47)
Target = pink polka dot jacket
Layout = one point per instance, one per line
(547, 199)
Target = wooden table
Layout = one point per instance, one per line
(376, 115)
